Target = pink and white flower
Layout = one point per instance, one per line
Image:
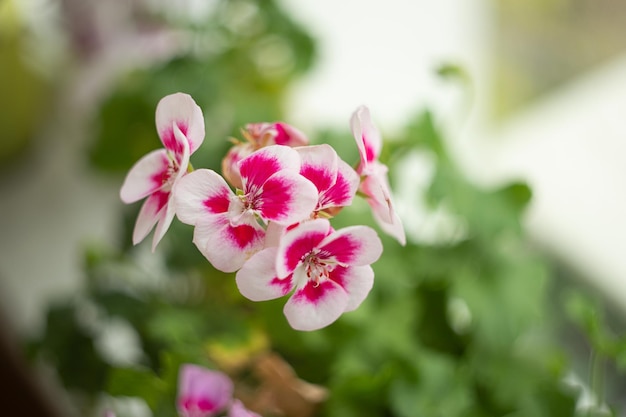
(202, 392)
(259, 135)
(335, 180)
(180, 125)
(227, 229)
(375, 184)
(328, 271)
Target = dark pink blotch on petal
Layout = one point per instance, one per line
(243, 235)
(161, 198)
(312, 292)
(276, 197)
(299, 248)
(370, 152)
(285, 284)
(344, 249)
(282, 137)
(322, 179)
(169, 139)
(218, 204)
(338, 275)
(256, 168)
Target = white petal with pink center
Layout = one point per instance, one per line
(146, 176)
(273, 188)
(257, 279)
(336, 181)
(375, 184)
(328, 269)
(181, 128)
(201, 193)
(227, 247)
(181, 111)
(367, 137)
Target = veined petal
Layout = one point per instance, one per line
(200, 193)
(367, 137)
(286, 197)
(357, 281)
(202, 392)
(296, 243)
(319, 165)
(149, 214)
(342, 192)
(257, 167)
(146, 176)
(227, 247)
(312, 306)
(180, 110)
(257, 278)
(354, 245)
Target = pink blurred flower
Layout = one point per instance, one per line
(329, 272)
(375, 184)
(259, 135)
(202, 392)
(180, 126)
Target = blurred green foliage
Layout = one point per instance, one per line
(24, 92)
(462, 328)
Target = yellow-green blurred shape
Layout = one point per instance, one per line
(23, 92)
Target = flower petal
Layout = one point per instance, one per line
(296, 243)
(257, 278)
(343, 191)
(376, 188)
(357, 281)
(202, 392)
(146, 176)
(150, 213)
(367, 137)
(286, 197)
(289, 135)
(354, 245)
(257, 167)
(165, 220)
(227, 247)
(230, 163)
(313, 307)
(179, 110)
(319, 165)
(200, 193)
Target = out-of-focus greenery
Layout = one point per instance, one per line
(468, 327)
(24, 92)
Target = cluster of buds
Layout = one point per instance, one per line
(268, 217)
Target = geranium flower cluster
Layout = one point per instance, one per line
(273, 226)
